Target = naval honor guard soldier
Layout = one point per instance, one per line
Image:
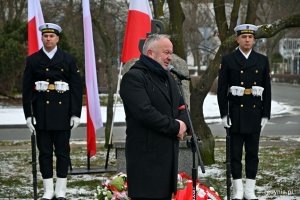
(52, 101)
(244, 95)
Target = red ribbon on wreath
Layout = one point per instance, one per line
(203, 193)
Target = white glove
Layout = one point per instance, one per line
(237, 90)
(74, 122)
(225, 123)
(61, 86)
(41, 86)
(257, 91)
(264, 121)
(30, 122)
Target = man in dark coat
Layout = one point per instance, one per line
(155, 122)
(244, 84)
(52, 101)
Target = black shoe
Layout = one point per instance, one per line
(61, 198)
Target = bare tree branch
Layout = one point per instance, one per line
(269, 30)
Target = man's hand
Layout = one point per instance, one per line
(225, 122)
(182, 130)
(30, 121)
(74, 122)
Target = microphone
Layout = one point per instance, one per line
(178, 73)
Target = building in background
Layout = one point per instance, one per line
(289, 48)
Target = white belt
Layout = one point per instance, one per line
(59, 86)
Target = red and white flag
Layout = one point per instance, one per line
(138, 25)
(35, 19)
(94, 119)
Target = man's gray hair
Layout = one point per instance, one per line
(152, 39)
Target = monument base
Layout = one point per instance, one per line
(185, 158)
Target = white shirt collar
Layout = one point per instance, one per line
(51, 53)
(246, 54)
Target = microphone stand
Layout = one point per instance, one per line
(193, 144)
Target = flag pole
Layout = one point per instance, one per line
(114, 113)
(94, 119)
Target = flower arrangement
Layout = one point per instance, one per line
(114, 188)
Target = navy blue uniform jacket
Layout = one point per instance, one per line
(245, 111)
(52, 109)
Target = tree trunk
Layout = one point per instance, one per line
(107, 41)
(158, 8)
(200, 86)
(175, 27)
(251, 11)
(200, 127)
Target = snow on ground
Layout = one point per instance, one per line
(15, 116)
(215, 171)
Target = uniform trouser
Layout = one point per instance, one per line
(251, 142)
(57, 141)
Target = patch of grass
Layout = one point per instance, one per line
(278, 172)
(16, 171)
(11, 182)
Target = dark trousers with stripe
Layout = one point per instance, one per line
(251, 144)
(57, 142)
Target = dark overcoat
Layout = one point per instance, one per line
(151, 104)
(246, 111)
(52, 109)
